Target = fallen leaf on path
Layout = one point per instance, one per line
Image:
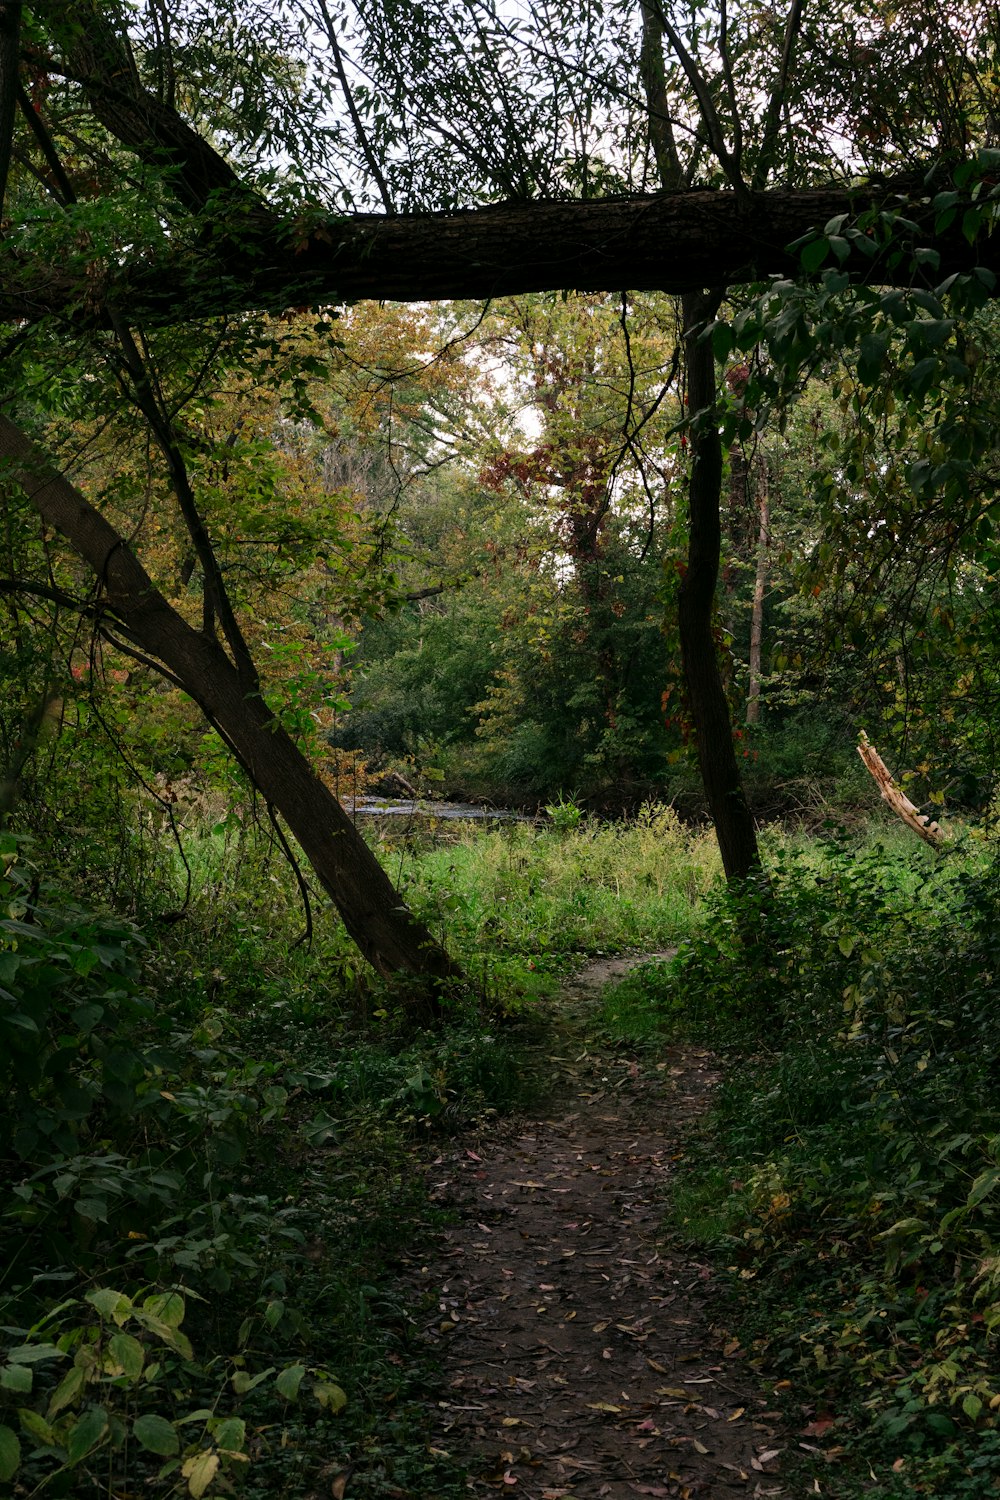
(602, 1406)
(655, 1365)
(819, 1427)
(677, 1392)
(736, 1414)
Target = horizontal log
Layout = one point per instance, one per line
(669, 242)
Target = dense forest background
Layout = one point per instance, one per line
(588, 411)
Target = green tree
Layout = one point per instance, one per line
(129, 196)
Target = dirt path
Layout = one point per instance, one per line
(579, 1354)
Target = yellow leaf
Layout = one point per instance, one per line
(199, 1471)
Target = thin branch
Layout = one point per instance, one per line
(352, 108)
(300, 880)
(772, 116)
(706, 106)
(46, 145)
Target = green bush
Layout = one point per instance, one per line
(851, 1180)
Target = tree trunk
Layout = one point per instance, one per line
(131, 606)
(673, 242)
(734, 825)
(760, 583)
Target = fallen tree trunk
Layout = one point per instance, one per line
(671, 242)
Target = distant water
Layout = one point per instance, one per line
(458, 812)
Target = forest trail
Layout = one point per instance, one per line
(577, 1343)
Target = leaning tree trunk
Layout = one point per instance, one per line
(734, 825)
(386, 932)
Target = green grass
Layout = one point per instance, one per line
(599, 887)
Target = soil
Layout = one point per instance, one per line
(578, 1339)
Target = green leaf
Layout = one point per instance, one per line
(921, 377)
(972, 1406)
(30, 1354)
(972, 222)
(983, 1185)
(873, 349)
(67, 1390)
(722, 341)
(34, 1423)
(330, 1396)
(167, 1335)
(16, 1378)
(231, 1434)
(22, 1022)
(86, 1433)
(289, 1380)
(814, 254)
(168, 1307)
(127, 1352)
(95, 1209)
(931, 333)
(10, 1453)
(112, 1305)
(156, 1435)
(902, 1229)
(243, 1381)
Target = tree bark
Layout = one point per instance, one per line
(759, 586)
(672, 242)
(131, 606)
(734, 825)
(706, 693)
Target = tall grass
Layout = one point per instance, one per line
(593, 888)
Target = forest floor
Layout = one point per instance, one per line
(580, 1343)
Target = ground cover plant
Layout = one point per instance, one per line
(848, 1184)
(210, 1149)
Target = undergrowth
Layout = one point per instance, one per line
(848, 1185)
(212, 1141)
